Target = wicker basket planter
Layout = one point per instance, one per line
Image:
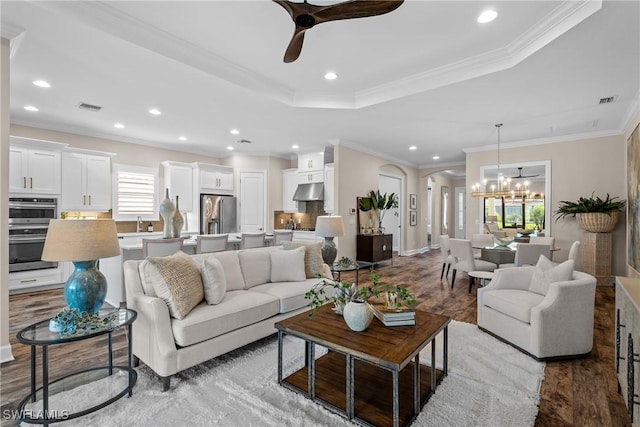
(598, 222)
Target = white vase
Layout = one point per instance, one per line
(357, 315)
(178, 220)
(167, 210)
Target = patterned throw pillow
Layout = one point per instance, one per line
(547, 272)
(312, 257)
(181, 287)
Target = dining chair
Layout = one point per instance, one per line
(252, 240)
(161, 247)
(462, 254)
(479, 241)
(280, 236)
(528, 254)
(206, 243)
(542, 240)
(445, 254)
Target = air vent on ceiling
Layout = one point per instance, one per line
(89, 107)
(244, 141)
(607, 100)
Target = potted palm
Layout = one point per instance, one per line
(594, 214)
(379, 204)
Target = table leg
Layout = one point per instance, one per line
(130, 359)
(33, 373)
(110, 340)
(45, 383)
(433, 366)
(311, 379)
(280, 337)
(416, 386)
(396, 399)
(350, 387)
(445, 352)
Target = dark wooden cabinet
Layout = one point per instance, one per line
(374, 247)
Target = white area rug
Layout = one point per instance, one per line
(489, 384)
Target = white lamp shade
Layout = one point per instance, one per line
(329, 226)
(80, 240)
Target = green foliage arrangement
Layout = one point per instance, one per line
(71, 321)
(589, 204)
(378, 202)
(404, 295)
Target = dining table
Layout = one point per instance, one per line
(499, 254)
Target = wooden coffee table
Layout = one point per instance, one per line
(372, 377)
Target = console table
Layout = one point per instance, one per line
(39, 335)
(374, 247)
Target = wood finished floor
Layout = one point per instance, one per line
(574, 393)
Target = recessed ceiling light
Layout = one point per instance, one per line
(155, 112)
(229, 147)
(436, 157)
(295, 146)
(487, 16)
(182, 138)
(234, 132)
(41, 83)
(119, 126)
(413, 148)
(30, 108)
(331, 75)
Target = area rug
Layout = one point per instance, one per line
(489, 384)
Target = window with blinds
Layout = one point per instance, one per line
(135, 193)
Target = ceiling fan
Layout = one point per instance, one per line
(306, 15)
(520, 176)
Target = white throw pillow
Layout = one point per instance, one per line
(312, 258)
(288, 265)
(547, 272)
(213, 280)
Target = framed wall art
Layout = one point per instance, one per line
(413, 201)
(413, 218)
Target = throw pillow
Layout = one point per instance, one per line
(288, 265)
(181, 287)
(312, 257)
(213, 280)
(232, 271)
(256, 266)
(547, 272)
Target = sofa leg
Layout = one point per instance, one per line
(136, 361)
(453, 278)
(443, 267)
(166, 383)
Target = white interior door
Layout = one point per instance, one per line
(391, 221)
(252, 202)
(461, 208)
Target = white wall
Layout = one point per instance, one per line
(5, 347)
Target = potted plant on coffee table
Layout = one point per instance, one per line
(594, 214)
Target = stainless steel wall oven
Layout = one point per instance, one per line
(28, 224)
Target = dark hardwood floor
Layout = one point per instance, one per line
(574, 393)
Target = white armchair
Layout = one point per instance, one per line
(557, 325)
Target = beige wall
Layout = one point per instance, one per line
(5, 347)
(578, 168)
(353, 181)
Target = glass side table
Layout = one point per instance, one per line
(359, 265)
(39, 335)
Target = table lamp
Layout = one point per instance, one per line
(329, 226)
(82, 242)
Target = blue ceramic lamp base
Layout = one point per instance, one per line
(86, 288)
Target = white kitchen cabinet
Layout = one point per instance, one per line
(290, 179)
(310, 177)
(328, 187)
(24, 280)
(86, 182)
(33, 170)
(311, 162)
(178, 178)
(214, 178)
(306, 236)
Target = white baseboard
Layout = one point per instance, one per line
(416, 251)
(5, 354)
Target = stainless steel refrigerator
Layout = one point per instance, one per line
(217, 214)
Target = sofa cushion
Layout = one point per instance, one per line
(290, 294)
(547, 272)
(312, 256)
(512, 302)
(231, 266)
(181, 285)
(214, 280)
(238, 309)
(149, 274)
(288, 265)
(256, 266)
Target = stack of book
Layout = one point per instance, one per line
(394, 317)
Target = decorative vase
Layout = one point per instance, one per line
(357, 315)
(86, 288)
(392, 300)
(598, 222)
(167, 210)
(178, 220)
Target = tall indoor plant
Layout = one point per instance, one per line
(594, 214)
(379, 203)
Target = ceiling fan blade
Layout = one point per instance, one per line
(295, 45)
(356, 9)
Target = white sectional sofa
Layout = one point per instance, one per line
(261, 287)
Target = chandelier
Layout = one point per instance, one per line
(503, 187)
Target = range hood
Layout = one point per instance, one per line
(309, 192)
